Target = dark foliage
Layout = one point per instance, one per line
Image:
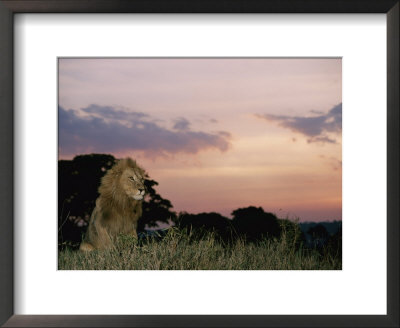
(319, 235)
(155, 208)
(251, 224)
(326, 242)
(198, 225)
(78, 181)
(334, 244)
(255, 224)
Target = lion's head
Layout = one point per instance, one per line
(132, 182)
(125, 176)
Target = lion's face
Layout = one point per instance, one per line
(132, 182)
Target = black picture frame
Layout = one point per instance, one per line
(10, 7)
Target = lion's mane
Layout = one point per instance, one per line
(118, 208)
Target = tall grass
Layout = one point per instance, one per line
(181, 251)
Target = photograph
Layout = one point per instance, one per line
(199, 163)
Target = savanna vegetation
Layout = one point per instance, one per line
(180, 251)
(252, 240)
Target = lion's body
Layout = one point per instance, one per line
(118, 207)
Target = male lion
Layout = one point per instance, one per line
(118, 207)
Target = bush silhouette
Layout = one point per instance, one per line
(255, 224)
(203, 223)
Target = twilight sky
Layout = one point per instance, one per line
(217, 134)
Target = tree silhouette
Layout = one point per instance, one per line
(203, 223)
(155, 208)
(78, 181)
(255, 224)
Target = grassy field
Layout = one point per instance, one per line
(179, 251)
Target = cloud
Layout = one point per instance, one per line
(108, 112)
(224, 134)
(106, 129)
(316, 128)
(181, 124)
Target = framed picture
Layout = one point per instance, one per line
(76, 77)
